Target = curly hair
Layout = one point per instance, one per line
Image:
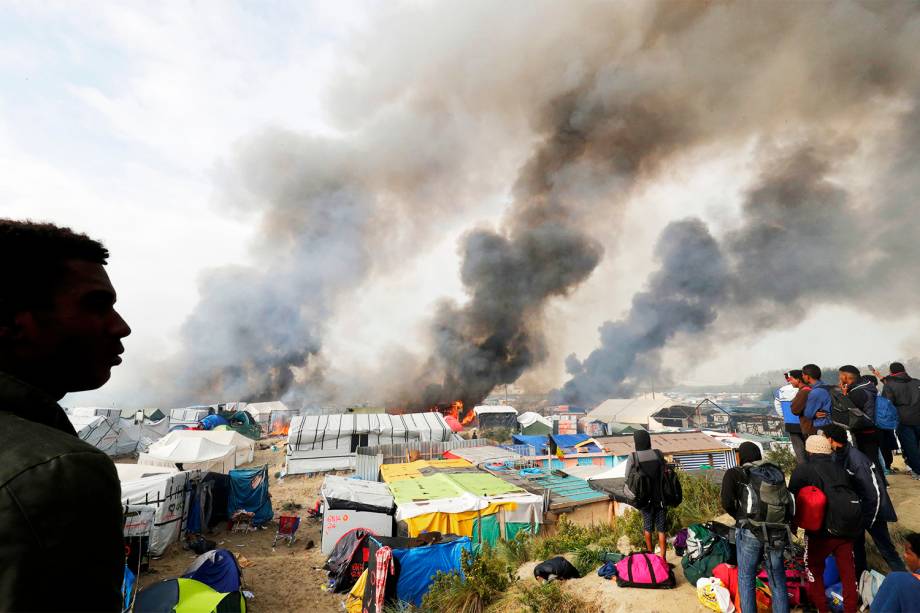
(32, 261)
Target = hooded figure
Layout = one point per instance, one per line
(642, 440)
(735, 477)
(652, 463)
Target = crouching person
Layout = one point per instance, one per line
(555, 568)
(755, 494)
(842, 523)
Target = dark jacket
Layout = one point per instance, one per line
(736, 477)
(904, 393)
(866, 481)
(652, 463)
(819, 471)
(863, 395)
(61, 546)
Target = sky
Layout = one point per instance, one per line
(117, 119)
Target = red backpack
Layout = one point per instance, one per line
(810, 505)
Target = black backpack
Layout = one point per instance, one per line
(638, 488)
(846, 414)
(844, 516)
(764, 503)
(672, 494)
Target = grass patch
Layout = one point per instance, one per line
(551, 598)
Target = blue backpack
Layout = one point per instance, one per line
(886, 414)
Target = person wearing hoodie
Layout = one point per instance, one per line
(821, 472)
(818, 405)
(862, 392)
(782, 402)
(904, 392)
(750, 548)
(867, 481)
(652, 463)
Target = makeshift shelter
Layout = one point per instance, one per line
(495, 417)
(249, 492)
(187, 596)
(152, 415)
(100, 431)
(633, 411)
(540, 444)
(351, 503)
(569, 444)
(244, 423)
(318, 443)
(533, 424)
(455, 425)
(209, 422)
(167, 492)
(217, 569)
(480, 455)
(137, 434)
(274, 417)
(412, 470)
(690, 450)
(94, 412)
(189, 453)
(347, 560)
(188, 417)
(245, 447)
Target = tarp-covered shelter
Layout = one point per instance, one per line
(136, 435)
(534, 424)
(633, 411)
(245, 447)
(166, 491)
(570, 444)
(492, 417)
(100, 431)
(353, 503)
(187, 596)
(189, 416)
(249, 492)
(482, 454)
(411, 470)
(190, 454)
(274, 417)
(540, 444)
(318, 443)
(690, 450)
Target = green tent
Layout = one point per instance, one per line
(187, 596)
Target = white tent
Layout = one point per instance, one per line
(528, 418)
(318, 443)
(496, 416)
(99, 431)
(274, 415)
(245, 447)
(633, 411)
(187, 417)
(94, 412)
(192, 453)
(134, 437)
(168, 493)
(132, 472)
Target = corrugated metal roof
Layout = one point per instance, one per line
(478, 455)
(667, 442)
(564, 490)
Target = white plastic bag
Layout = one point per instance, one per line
(712, 594)
(869, 582)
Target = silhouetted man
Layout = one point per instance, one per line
(61, 546)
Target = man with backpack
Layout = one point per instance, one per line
(783, 399)
(818, 406)
(755, 494)
(904, 391)
(644, 473)
(867, 482)
(840, 525)
(862, 392)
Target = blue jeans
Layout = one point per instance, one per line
(910, 446)
(750, 554)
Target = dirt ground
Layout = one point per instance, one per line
(288, 578)
(284, 578)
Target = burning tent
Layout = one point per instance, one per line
(493, 417)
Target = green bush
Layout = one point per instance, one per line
(499, 435)
(782, 457)
(571, 537)
(701, 502)
(485, 578)
(518, 550)
(551, 598)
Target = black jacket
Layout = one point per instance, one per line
(61, 545)
(652, 463)
(736, 477)
(819, 471)
(863, 395)
(904, 393)
(868, 483)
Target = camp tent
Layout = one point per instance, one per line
(94, 412)
(534, 424)
(138, 434)
(165, 491)
(274, 417)
(249, 492)
(187, 595)
(192, 453)
(493, 417)
(245, 447)
(187, 417)
(318, 443)
(353, 503)
(100, 431)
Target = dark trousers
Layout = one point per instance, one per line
(888, 444)
(867, 441)
(817, 548)
(882, 540)
(798, 446)
(910, 446)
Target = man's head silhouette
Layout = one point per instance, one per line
(59, 329)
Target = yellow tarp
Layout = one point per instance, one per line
(412, 470)
(353, 602)
(460, 524)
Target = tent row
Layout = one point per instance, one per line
(111, 432)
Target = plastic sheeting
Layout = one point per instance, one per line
(192, 453)
(419, 565)
(168, 493)
(134, 437)
(249, 492)
(245, 447)
(338, 492)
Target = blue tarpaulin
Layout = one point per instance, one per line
(568, 442)
(540, 443)
(216, 568)
(212, 421)
(419, 565)
(249, 492)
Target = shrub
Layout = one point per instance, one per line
(518, 550)
(701, 501)
(571, 537)
(499, 435)
(783, 457)
(551, 598)
(485, 578)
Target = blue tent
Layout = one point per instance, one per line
(419, 565)
(567, 443)
(249, 492)
(212, 421)
(216, 568)
(540, 443)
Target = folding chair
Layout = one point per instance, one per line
(287, 529)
